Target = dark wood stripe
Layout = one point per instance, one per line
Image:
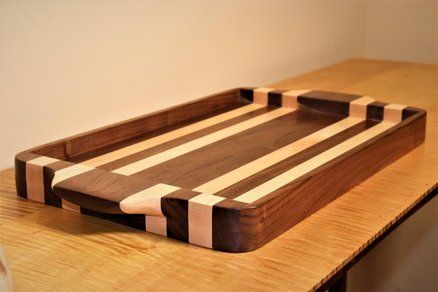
(274, 97)
(175, 208)
(117, 133)
(247, 93)
(337, 103)
(50, 197)
(20, 172)
(230, 153)
(410, 111)
(342, 272)
(289, 205)
(100, 190)
(132, 220)
(275, 170)
(227, 235)
(375, 111)
(187, 138)
(148, 135)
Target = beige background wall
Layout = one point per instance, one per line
(70, 66)
(402, 31)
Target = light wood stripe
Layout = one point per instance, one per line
(35, 177)
(392, 113)
(147, 201)
(156, 224)
(166, 137)
(272, 158)
(358, 107)
(289, 98)
(69, 172)
(260, 95)
(200, 142)
(201, 219)
(313, 163)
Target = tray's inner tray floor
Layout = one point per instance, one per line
(253, 139)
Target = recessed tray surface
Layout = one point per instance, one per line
(230, 171)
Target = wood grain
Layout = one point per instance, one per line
(164, 156)
(229, 225)
(312, 164)
(224, 181)
(168, 136)
(307, 255)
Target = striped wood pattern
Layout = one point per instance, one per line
(248, 163)
(308, 254)
(149, 143)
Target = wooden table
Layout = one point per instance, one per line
(51, 248)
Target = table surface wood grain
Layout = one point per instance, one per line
(53, 249)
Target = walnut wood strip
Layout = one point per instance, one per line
(253, 181)
(181, 140)
(200, 142)
(215, 159)
(272, 158)
(357, 115)
(70, 206)
(311, 164)
(134, 148)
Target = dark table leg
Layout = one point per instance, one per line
(340, 285)
(340, 278)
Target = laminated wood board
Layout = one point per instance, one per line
(229, 171)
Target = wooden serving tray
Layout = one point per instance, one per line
(230, 171)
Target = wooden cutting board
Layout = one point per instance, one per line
(230, 171)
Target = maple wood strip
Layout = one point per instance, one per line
(69, 172)
(313, 163)
(393, 113)
(147, 201)
(260, 95)
(358, 107)
(289, 98)
(181, 140)
(357, 111)
(134, 148)
(272, 158)
(35, 177)
(156, 224)
(201, 219)
(200, 142)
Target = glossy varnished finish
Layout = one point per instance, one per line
(242, 176)
(308, 254)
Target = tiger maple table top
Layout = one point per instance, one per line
(50, 248)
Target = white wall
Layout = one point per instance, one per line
(71, 66)
(402, 30)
